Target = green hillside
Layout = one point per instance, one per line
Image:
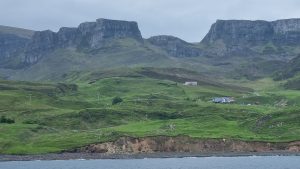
(24, 33)
(43, 118)
(291, 69)
(290, 73)
(118, 53)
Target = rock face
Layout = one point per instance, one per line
(175, 46)
(286, 32)
(91, 35)
(41, 43)
(12, 42)
(11, 45)
(97, 32)
(236, 32)
(128, 145)
(240, 35)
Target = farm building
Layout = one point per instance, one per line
(191, 83)
(223, 100)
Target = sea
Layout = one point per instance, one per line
(249, 162)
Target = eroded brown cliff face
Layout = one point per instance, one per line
(185, 144)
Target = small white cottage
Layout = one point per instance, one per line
(191, 83)
(223, 100)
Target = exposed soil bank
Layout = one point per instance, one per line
(166, 147)
(128, 145)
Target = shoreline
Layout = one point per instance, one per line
(99, 156)
(165, 147)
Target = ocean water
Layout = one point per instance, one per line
(252, 162)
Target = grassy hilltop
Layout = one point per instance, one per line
(57, 117)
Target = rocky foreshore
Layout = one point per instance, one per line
(166, 147)
(94, 156)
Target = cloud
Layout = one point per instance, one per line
(187, 19)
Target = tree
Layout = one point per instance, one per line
(3, 119)
(116, 100)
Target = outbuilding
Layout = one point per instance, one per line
(191, 83)
(223, 100)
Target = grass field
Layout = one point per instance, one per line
(57, 117)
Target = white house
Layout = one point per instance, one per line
(223, 100)
(191, 83)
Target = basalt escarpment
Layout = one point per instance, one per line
(232, 48)
(12, 43)
(185, 144)
(245, 37)
(88, 35)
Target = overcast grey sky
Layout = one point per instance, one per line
(187, 19)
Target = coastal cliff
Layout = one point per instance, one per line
(186, 144)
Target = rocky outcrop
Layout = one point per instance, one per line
(96, 32)
(12, 43)
(238, 32)
(239, 36)
(175, 46)
(90, 35)
(185, 144)
(286, 32)
(41, 43)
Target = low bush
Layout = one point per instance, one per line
(116, 100)
(4, 119)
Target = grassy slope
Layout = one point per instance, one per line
(290, 73)
(60, 117)
(24, 33)
(115, 54)
(293, 83)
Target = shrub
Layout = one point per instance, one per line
(116, 100)
(3, 119)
